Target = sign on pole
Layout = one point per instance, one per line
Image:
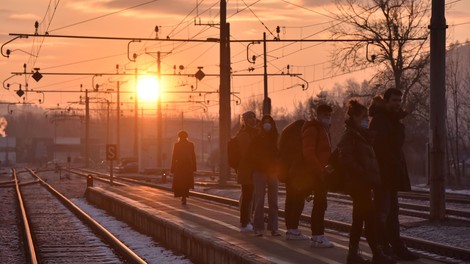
(111, 152)
(111, 155)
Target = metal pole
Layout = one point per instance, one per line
(224, 95)
(136, 119)
(438, 110)
(118, 122)
(266, 99)
(107, 122)
(87, 128)
(159, 115)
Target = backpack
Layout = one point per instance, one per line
(290, 147)
(234, 155)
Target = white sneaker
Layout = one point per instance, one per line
(259, 233)
(320, 242)
(296, 235)
(248, 228)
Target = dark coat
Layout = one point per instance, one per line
(183, 165)
(316, 146)
(245, 168)
(390, 136)
(264, 154)
(358, 159)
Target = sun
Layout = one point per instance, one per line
(148, 88)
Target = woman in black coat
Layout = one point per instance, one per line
(357, 158)
(183, 165)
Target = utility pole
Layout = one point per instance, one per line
(136, 118)
(118, 121)
(159, 114)
(266, 100)
(224, 94)
(87, 129)
(438, 110)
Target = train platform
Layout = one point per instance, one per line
(207, 232)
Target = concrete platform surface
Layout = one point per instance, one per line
(209, 233)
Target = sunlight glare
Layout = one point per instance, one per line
(147, 88)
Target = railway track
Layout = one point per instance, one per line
(440, 250)
(57, 231)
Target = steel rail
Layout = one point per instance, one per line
(115, 242)
(27, 230)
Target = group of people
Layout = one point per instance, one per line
(371, 159)
(373, 165)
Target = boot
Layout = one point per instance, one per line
(354, 257)
(379, 257)
(183, 200)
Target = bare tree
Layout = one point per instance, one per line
(390, 26)
(457, 86)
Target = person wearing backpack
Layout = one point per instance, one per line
(264, 155)
(245, 169)
(290, 151)
(357, 158)
(316, 151)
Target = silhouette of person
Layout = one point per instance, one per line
(183, 165)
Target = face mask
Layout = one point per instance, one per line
(365, 123)
(267, 127)
(326, 121)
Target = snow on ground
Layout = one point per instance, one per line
(142, 245)
(425, 187)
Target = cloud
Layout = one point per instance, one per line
(25, 17)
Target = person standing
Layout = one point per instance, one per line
(290, 148)
(264, 157)
(183, 165)
(316, 150)
(357, 157)
(386, 122)
(245, 170)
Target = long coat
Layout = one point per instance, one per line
(357, 157)
(390, 136)
(183, 165)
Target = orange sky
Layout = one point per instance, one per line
(175, 19)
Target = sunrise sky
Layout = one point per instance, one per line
(175, 19)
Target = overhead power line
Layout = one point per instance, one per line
(105, 15)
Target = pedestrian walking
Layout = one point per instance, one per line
(316, 150)
(265, 161)
(357, 158)
(387, 115)
(245, 170)
(183, 165)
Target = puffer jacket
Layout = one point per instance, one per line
(358, 159)
(316, 146)
(388, 143)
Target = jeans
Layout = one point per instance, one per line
(317, 220)
(260, 181)
(362, 215)
(386, 206)
(246, 202)
(295, 202)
